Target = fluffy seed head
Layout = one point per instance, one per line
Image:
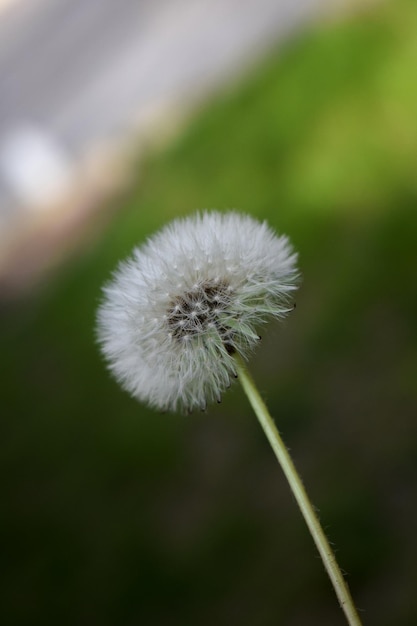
(194, 294)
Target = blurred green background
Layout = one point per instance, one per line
(113, 514)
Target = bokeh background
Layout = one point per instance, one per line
(114, 514)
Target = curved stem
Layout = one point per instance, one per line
(300, 494)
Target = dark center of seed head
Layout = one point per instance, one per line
(194, 311)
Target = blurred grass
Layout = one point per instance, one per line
(113, 514)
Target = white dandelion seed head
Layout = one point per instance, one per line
(193, 295)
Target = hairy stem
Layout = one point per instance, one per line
(300, 494)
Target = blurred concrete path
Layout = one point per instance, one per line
(75, 73)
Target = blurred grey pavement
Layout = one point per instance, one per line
(80, 76)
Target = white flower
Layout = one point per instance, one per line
(188, 299)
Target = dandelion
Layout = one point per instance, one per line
(193, 296)
(181, 316)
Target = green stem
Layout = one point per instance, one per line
(300, 494)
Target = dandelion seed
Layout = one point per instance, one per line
(177, 311)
